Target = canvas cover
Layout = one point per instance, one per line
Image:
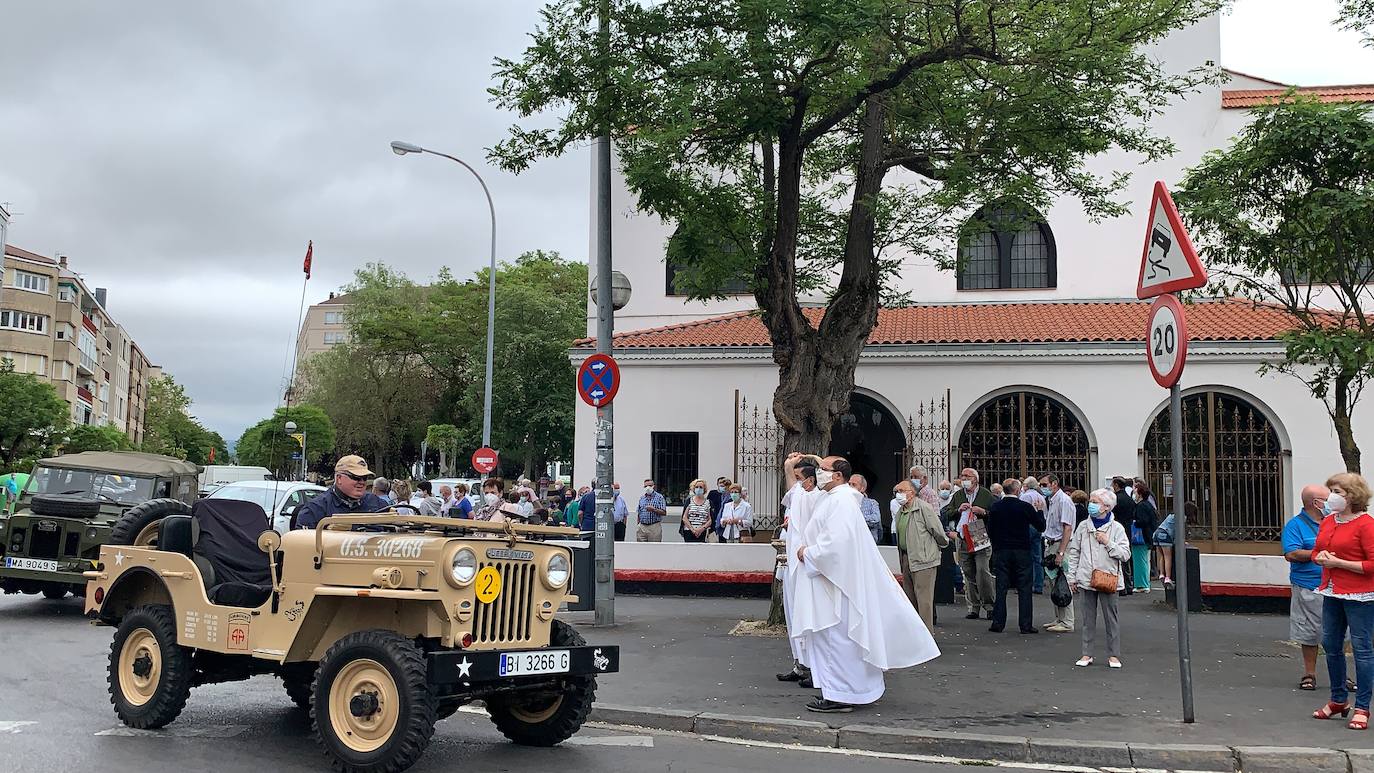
(131, 462)
(228, 539)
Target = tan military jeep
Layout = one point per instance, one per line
(378, 624)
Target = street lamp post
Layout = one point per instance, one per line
(401, 149)
(290, 430)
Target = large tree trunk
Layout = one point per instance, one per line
(1345, 434)
(816, 366)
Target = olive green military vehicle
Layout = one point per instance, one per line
(75, 503)
(379, 625)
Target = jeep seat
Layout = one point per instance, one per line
(235, 571)
(177, 534)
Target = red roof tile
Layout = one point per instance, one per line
(987, 323)
(1237, 98)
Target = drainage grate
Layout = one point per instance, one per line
(1280, 655)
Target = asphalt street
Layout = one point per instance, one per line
(56, 717)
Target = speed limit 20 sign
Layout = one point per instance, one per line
(1166, 340)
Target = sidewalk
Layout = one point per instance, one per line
(676, 654)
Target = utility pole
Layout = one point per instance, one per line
(603, 539)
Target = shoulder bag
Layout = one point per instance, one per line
(1102, 580)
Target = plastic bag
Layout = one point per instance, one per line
(1060, 594)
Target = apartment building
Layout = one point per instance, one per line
(54, 326)
(325, 325)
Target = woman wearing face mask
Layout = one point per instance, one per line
(736, 515)
(1099, 546)
(1345, 552)
(696, 514)
(1142, 535)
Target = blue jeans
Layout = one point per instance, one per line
(1358, 616)
(1037, 561)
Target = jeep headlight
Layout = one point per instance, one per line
(556, 572)
(464, 567)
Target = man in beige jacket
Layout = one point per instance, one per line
(920, 538)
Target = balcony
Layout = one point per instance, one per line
(89, 325)
(85, 364)
(85, 394)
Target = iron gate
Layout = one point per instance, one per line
(1232, 470)
(927, 438)
(1024, 433)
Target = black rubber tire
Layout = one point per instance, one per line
(447, 708)
(579, 693)
(175, 681)
(138, 518)
(65, 505)
(299, 681)
(405, 663)
(54, 592)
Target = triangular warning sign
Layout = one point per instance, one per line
(1168, 263)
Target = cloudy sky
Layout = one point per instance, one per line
(183, 153)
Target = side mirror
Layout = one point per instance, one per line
(269, 541)
(290, 513)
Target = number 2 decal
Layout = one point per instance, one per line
(1165, 340)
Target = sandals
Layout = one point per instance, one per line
(1332, 709)
(1309, 682)
(1084, 662)
(1360, 721)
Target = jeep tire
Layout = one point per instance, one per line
(373, 711)
(299, 680)
(139, 526)
(64, 506)
(150, 674)
(547, 720)
(53, 592)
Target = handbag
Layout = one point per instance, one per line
(1103, 581)
(1060, 594)
(1137, 536)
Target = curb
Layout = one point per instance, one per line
(994, 748)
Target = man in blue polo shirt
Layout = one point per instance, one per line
(1305, 607)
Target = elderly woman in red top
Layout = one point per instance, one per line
(1345, 551)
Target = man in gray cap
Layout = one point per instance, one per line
(348, 495)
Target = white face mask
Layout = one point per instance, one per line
(901, 498)
(823, 478)
(648, 489)
(1336, 503)
(492, 498)
(967, 484)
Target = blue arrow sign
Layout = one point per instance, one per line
(598, 380)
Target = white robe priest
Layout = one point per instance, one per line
(799, 504)
(851, 616)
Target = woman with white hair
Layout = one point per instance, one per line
(1096, 551)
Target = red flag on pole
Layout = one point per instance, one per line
(211, 460)
(309, 250)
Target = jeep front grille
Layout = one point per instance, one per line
(45, 544)
(507, 619)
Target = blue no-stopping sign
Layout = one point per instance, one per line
(598, 379)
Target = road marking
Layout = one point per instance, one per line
(15, 727)
(219, 731)
(643, 741)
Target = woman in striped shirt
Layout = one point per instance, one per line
(696, 514)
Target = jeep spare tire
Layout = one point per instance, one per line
(65, 505)
(139, 526)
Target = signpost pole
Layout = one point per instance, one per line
(603, 539)
(1185, 653)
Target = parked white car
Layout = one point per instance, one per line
(212, 476)
(276, 498)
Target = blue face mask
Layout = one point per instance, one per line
(1326, 509)
(1094, 509)
(1045, 491)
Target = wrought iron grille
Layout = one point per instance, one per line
(1024, 433)
(1232, 469)
(927, 438)
(758, 460)
(674, 463)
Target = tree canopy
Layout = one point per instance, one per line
(95, 437)
(170, 429)
(32, 418)
(267, 444)
(813, 145)
(1286, 216)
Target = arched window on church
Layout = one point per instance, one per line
(1006, 246)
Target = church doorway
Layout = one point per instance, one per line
(875, 443)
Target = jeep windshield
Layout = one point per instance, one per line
(105, 486)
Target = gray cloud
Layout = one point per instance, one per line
(183, 153)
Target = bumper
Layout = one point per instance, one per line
(484, 668)
(70, 573)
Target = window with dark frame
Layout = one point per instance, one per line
(673, 463)
(1006, 246)
(734, 286)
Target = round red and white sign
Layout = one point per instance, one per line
(484, 460)
(1166, 340)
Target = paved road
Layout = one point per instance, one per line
(55, 716)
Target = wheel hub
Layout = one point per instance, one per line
(143, 665)
(363, 705)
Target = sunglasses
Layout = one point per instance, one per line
(357, 478)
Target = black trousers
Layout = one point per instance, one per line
(1128, 577)
(620, 531)
(1013, 569)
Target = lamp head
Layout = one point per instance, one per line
(290, 426)
(402, 148)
